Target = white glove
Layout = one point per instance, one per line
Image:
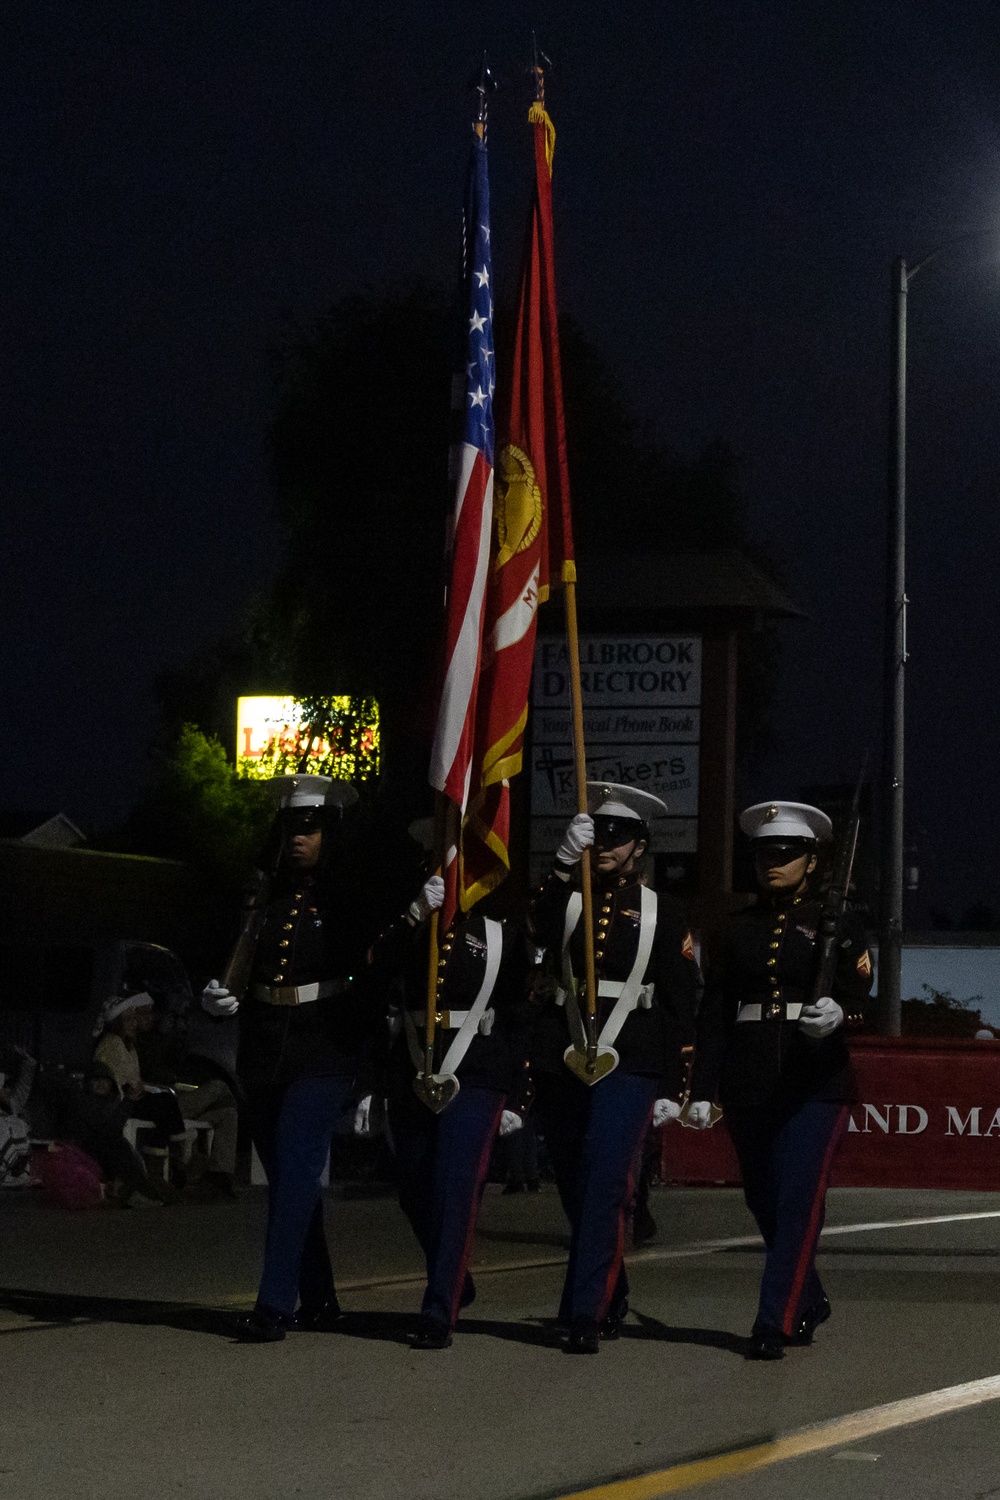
(510, 1121)
(821, 1019)
(363, 1116)
(430, 899)
(665, 1110)
(699, 1114)
(579, 835)
(217, 1000)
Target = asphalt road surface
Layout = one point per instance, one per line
(119, 1375)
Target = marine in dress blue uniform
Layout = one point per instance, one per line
(442, 1158)
(303, 1036)
(778, 1064)
(647, 983)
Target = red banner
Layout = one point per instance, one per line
(927, 1116)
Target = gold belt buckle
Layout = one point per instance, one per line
(775, 1010)
(285, 994)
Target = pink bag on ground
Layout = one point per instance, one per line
(70, 1177)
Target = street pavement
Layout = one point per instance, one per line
(120, 1376)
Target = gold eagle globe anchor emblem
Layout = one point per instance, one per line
(517, 504)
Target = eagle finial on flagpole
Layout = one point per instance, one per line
(539, 62)
(484, 87)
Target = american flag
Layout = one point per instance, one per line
(472, 517)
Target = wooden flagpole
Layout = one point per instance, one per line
(441, 832)
(431, 1017)
(580, 759)
(579, 749)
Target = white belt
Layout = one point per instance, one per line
(445, 1020)
(611, 989)
(297, 994)
(755, 1012)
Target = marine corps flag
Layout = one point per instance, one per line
(532, 546)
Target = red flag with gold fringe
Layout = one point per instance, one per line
(532, 547)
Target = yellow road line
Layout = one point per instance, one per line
(417, 1278)
(812, 1439)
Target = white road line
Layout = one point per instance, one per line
(709, 1247)
(993, 1213)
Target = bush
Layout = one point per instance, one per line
(940, 1014)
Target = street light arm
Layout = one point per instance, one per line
(957, 239)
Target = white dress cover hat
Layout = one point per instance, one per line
(609, 799)
(786, 820)
(312, 791)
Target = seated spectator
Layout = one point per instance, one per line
(117, 1028)
(93, 1118)
(201, 1094)
(15, 1144)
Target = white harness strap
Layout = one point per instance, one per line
(567, 997)
(462, 1040)
(632, 992)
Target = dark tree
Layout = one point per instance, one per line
(359, 473)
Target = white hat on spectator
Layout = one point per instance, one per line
(118, 1005)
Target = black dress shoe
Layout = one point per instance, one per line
(811, 1320)
(431, 1335)
(322, 1319)
(643, 1226)
(262, 1326)
(766, 1343)
(584, 1337)
(214, 1187)
(611, 1325)
(512, 1187)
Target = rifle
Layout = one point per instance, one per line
(835, 902)
(236, 974)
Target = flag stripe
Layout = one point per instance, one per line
(456, 721)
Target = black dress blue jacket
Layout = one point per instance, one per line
(767, 956)
(653, 1039)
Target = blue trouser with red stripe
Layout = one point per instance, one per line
(786, 1157)
(441, 1165)
(593, 1135)
(292, 1129)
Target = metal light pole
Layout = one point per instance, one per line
(894, 701)
(890, 951)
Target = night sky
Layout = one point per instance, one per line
(182, 182)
